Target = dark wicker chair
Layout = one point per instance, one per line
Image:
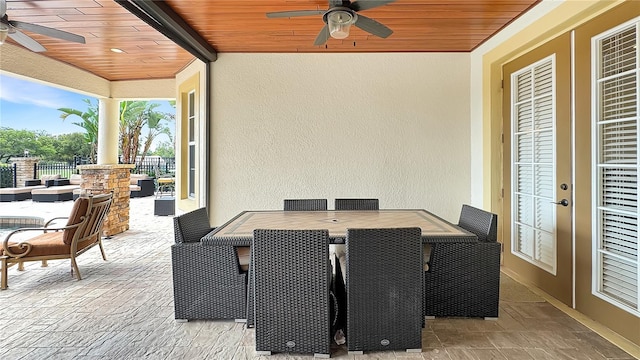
(384, 289)
(357, 204)
(208, 281)
(291, 276)
(305, 204)
(463, 279)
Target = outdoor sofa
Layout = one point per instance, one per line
(18, 193)
(58, 189)
(24, 192)
(141, 185)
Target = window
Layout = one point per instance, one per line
(615, 166)
(533, 155)
(191, 120)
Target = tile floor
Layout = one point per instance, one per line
(123, 309)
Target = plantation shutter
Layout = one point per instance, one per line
(533, 123)
(616, 167)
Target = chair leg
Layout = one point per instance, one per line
(3, 281)
(44, 263)
(104, 257)
(20, 266)
(74, 267)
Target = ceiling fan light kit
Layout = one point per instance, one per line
(339, 18)
(339, 22)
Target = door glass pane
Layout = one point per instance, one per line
(615, 167)
(533, 154)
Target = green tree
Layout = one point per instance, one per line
(13, 143)
(68, 146)
(134, 117)
(165, 149)
(89, 124)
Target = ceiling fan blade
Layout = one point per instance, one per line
(47, 31)
(368, 4)
(373, 27)
(323, 36)
(24, 40)
(3, 7)
(285, 14)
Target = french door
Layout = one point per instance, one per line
(537, 168)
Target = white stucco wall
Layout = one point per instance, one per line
(388, 126)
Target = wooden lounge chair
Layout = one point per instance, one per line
(82, 231)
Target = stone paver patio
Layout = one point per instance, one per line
(123, 309)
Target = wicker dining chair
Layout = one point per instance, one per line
(384, 289)
(357, 204)
(305, 204)
(463, 279)
(209, 281)
(291, 276)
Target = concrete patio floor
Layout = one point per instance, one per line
(123, 309)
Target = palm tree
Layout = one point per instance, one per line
(89, 124)
(134, 116)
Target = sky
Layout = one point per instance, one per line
(28, 105)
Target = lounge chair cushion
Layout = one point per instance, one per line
(46, 244)
(75, 179)
(45, 178)
(133, 180)
(79, 208)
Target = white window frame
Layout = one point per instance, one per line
(191, 144)
(553, 265)
(597, 186)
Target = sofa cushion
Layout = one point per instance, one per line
(135, 177)
(75, 179)
(45, 178)
(79, 210)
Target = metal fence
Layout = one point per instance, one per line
(8, 176)
(153, 166)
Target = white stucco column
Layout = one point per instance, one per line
(108, 124)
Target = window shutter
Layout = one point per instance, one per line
(533, 165)
(616, 167)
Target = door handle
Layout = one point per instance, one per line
(563, 202)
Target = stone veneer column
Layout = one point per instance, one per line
(24, 169)
(99, 179)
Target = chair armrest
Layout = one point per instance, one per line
(32, 182)
(54, 219)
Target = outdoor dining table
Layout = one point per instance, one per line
(239, 230)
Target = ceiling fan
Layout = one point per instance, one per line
(12, 29)
(339, 18)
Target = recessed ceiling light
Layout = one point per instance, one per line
(116, 50)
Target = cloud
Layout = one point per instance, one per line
(24, 92)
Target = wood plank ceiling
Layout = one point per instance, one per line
(241, 26)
